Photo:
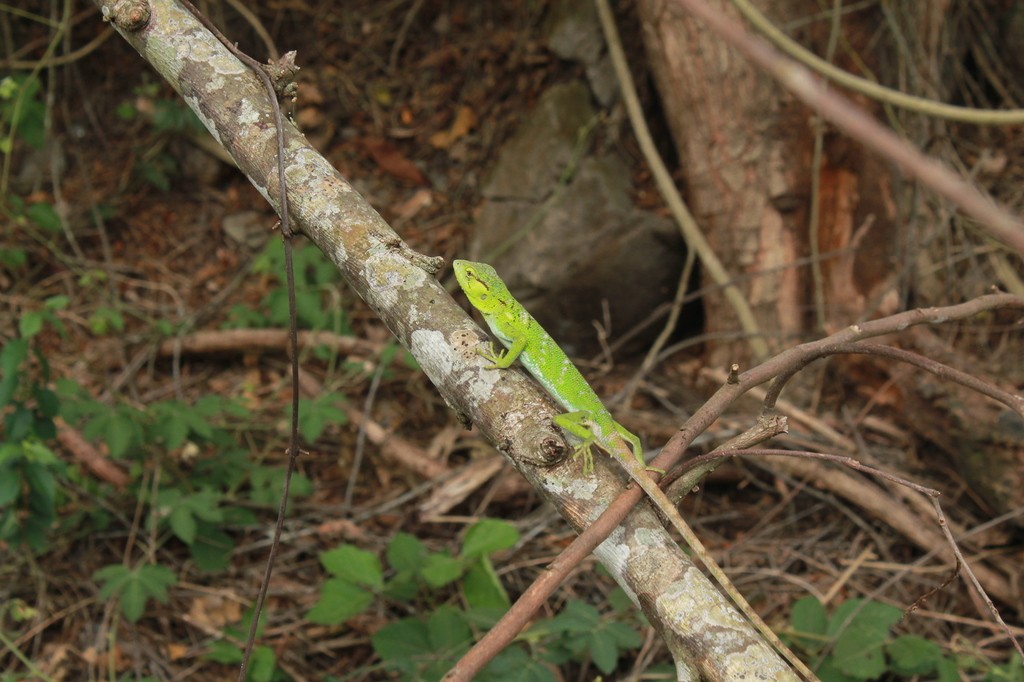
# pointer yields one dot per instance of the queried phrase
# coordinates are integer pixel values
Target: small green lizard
(526, 340)
(587, 418)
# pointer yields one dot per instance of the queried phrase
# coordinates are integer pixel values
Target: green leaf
(405, 552)
(858, 648)
(447, 630)
(126, 111)
(483, 618)
(30, 123)
(515, 665)
(10, 485)
(808, 618)
(604, 651)
(45, 216)
(577, 616)
(224, 652)
(402, 587)
(212, 548)
(441, 569)
(103, 320)
(406, 639)
(314, 415)
(135, 586)
(39, 453)
(113, 577)
(183, 524)
(42, 488)
(1012, 671)
(310, 310)
(620, 602)
(410, 361)
(276, 304)
(387, 353)
(170, 431)
(56, 302)
(355, 565)
(157, 171)
(18, 423)
(13, 258)
(339, 601)
(828, 671)
(118, 427)
(11, 357)
(948, 670)
(182, 511)
(267, 483)
(8, 87)
(153, 581)
(205, 504)
(47, 402)
(913, 655)
(262, 664)
(11, 454)
(625, 636)
(482, 587)
(30, 324)
(489, 536)
(270, 261)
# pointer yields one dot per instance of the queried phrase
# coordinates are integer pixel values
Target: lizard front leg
(503, 359)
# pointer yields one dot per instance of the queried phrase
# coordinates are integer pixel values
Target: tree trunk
(746, 150)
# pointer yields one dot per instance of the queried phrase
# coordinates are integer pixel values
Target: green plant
(193, 504)
(106, 320)
(29, 470)
(263, 661)
(22, 111)
(315, 414)
(423, 648)
(359, 576)
(135, 586)
(580, 631)
(168, 117)
(316, 301)
(856, 643)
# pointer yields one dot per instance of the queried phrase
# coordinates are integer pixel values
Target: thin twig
(286, 233)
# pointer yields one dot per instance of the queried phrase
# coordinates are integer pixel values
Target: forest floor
(169, 450)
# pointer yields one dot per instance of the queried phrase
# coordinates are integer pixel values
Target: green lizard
(587, 418)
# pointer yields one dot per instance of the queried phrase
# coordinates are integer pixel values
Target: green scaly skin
(587, 418)
(526, 340)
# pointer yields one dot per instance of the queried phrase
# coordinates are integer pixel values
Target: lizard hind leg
(577, 424)
(636, 447)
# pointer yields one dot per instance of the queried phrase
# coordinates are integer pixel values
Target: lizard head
(482, 286)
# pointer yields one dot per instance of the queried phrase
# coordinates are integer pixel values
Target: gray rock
(567, 243)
